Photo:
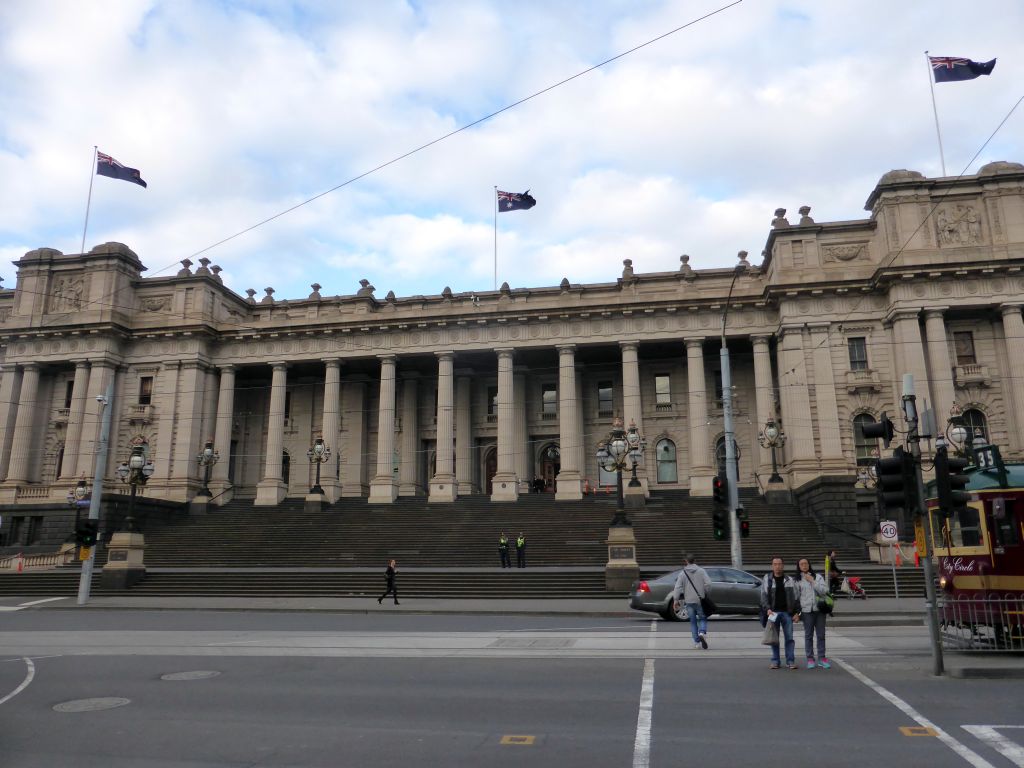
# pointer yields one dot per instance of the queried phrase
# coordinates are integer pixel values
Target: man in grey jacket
(780, 602)
(692, 584)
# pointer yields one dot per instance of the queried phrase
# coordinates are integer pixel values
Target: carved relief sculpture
(67, 294)
(959, 226)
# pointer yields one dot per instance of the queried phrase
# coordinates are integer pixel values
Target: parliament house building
(498, 393)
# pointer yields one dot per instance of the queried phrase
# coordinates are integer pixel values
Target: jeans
(814, 624)
(698, 621)
(785, 622)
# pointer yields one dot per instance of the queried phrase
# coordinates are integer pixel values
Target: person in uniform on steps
(389, 578)
(506, 561)
(521, 550)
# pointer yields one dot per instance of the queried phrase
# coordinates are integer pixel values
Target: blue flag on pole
(948, 69)
(513, 201)
(108, 166)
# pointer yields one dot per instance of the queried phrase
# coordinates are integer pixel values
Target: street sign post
(890, 536)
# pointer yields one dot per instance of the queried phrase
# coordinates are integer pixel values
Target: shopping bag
(771, 634)
(845, 588)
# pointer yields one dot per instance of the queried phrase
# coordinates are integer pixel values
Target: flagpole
(495, 237)
(88, 202)
(935, 109)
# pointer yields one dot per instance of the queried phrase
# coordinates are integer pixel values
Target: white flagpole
(931, 84)
(495, 237)
(88, 202)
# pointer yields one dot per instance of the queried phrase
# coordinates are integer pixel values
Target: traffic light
(897, 482)
(719, 522)
(883, 428)
(951, 483)
(718, 491)
(741, 515)
(86, 533)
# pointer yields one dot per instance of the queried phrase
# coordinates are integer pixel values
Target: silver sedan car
(732, 590)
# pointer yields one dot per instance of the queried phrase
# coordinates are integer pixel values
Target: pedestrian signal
(951, 483)
(718, 491)
(86, 533)
(897, 482)
(719, 523)
(741, 515)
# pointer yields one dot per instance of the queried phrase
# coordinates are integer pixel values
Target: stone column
(353, 455)
(632, 403)
(568, 484)
(503, 487)
(271, 489)
(442, 484)
(164, 404)
(189, 434)
(701, 471)
(383, 488)
(765, 401)
(795, 401)
(409, 464)
(99, 377)
(463, 435)
(329, 428)
(20, 471)
(1013, 330)
(76, 413)
(940, 364)
(829, 437)
(523, 460)
(219, 481)
(10, 391)
(910, 354)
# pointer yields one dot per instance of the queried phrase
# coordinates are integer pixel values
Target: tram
(980, 556)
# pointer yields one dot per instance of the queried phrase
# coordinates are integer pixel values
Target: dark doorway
(490, 469)
(550, 466)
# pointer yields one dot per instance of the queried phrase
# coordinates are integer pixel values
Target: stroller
(851, 588)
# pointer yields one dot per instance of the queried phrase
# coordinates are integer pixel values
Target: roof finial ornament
(185, 271)
(780, 219)
(805, 216)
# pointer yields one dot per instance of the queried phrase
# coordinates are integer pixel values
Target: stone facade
(519, 384)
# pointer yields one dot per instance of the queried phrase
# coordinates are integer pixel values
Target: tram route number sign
(890, 533)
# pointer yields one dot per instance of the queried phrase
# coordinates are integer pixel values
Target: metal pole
(895, 583)
(85, 582)
(775, 478)
(910, 412)
(496, 236)
(935, 110)
(88, 202)
(620, 503)
(731, 475)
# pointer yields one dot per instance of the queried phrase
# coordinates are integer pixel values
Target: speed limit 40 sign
(889, 532)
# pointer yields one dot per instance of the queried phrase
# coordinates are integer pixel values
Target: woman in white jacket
(811, 588)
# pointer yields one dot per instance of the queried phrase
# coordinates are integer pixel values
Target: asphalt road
(90, 688)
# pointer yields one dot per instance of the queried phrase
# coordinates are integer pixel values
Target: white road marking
(39, 602)
(989, 734)
(24, 683)
(642, 744)
(967, 754)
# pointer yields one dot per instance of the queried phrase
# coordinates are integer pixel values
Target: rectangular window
(492, 401)
(35, 530)
(963, 343)
(858, 353)
(662, 390)
(287, 405)
(605, 398)
(69, 390)
(549, 398)
(145, 390)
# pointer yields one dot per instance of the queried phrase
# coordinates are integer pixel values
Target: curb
(987, 673)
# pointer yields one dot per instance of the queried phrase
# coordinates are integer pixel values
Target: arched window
(720, 456)
(665, 453)
(866, 447)
(976, 424)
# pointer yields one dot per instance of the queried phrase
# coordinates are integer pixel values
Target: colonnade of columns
(804, 356)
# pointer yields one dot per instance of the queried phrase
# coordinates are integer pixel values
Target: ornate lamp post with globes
(206, 458)
(619, 447)
(136, 471)
(772, 437)
(125, 564)
(318, 454)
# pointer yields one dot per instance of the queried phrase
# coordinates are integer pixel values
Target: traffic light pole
(85, 583)
(914, 439)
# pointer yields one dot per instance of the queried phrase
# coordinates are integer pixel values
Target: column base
(383, 491)
(8, 493)
(568, 486)
(354, 490)
(465, 488)
(332, 490)
(409, 489)
(270, 493)
(504, 488)
(700, 485)
(442, 490)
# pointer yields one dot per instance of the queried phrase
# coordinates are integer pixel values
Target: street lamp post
(772, 437)
(612, 454)
(206, 458)
(319, 454)
(136, 471)
(731, 475)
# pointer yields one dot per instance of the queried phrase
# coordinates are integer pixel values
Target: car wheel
(671, 614)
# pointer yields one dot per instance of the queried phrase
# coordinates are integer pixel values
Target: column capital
(629, 345)
(279, 366)
(81, 363)
(760, 341)
(388, 359)
(931, 313)
(505, 353)
(897, 315)
(1010, 309)
(694, 342)
(229, 368)
(331, 362)
(791, 330)
(447, 354)
(31, 366)
(565, 349)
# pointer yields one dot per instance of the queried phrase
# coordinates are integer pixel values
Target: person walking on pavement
(390, 588)
(780, 603)
(521, 551)
(811, 588)
(692, 585)
(833, 573)
(506, 561)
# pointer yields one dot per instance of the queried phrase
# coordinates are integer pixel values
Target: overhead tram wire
(438, 140)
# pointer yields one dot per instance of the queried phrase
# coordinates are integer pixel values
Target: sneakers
(698, 645)
(810, 663)
(703, 641)
(775, 665)
(791, 666)
(825, 663)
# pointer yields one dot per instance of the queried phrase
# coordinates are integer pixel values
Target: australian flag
(513, 201)
(947, 69)
(108, 166)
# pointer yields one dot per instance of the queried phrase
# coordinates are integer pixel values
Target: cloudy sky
(236, 110)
